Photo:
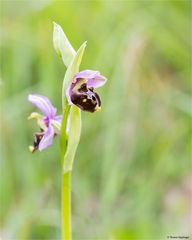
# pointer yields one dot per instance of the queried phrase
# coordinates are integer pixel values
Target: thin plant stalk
(66, 206)
(66, 229)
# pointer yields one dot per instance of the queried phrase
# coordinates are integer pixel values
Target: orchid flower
(81, 90)
(49, 123)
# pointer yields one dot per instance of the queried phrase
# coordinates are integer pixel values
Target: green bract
(62, 45)
(73, 137)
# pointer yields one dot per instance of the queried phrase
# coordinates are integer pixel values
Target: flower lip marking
(37, 139)
(84, 97)
(81, 90)
(44, 138)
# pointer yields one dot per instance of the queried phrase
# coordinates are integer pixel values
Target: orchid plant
(78, 93)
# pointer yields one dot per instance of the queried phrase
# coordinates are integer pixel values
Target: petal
(43, 104)
(56, 125)
(39, 118)
(88, 74)
(68, 95)
(96, 82)
(35, 115)
(47, 139)
(95, 79)
(58, 118)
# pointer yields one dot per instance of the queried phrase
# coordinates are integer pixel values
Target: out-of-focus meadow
(131, 177)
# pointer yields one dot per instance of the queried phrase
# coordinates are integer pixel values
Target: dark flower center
(37, 138)
(84, 97)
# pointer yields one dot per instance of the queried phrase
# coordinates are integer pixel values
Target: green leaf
(73, 137)
(62, 45)
(71, 71)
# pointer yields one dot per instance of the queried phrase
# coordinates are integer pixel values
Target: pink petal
(43, 104)
(95, 79)
(47, 139)
(58, 118)
(68, 95)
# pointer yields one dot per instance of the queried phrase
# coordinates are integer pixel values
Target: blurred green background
(131, 177)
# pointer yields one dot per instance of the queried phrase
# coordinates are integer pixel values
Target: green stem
(66, 206)
(64, 137)
(65, 183)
